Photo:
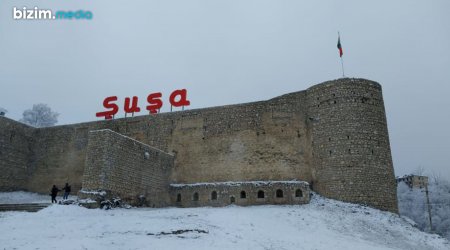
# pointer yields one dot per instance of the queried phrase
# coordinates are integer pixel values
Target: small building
(414, 181)
(244, 193)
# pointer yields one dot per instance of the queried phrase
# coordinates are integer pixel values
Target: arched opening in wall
(260, 194)
(243, 195)
(298, 193)
(195, 197)
(214, 195)
(178, 197)
(279, 193)
(232, 199)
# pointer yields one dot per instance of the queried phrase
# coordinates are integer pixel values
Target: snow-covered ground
(322, 224)
(20, 197)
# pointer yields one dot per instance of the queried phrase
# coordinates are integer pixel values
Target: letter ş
(107, 103)
(178, 98)
(155, 102)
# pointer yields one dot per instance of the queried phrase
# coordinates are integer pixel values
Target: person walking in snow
(54, 193)
(67, 190)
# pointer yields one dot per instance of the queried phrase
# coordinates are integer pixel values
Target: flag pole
(342, 60)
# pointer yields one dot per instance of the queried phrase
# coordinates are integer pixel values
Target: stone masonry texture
(239, 193)
(16, 152)
(127, 168)
(350, 143)
(332, 135)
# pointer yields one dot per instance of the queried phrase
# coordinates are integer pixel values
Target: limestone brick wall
(350, 142)
(255, 141)
(333, 135)
(239, 193)
(59, 158)
(16, 151)
(126, 168)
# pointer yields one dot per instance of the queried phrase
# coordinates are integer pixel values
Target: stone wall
(351, 152)
(333, 135)
(239, 193)
(16, 152)
(59, 158)
(126, 168)
(247, 142)
(254, 141)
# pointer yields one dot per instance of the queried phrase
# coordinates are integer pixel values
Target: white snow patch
(93, 192)
(236, 183)
(20, 197)
(322, 224)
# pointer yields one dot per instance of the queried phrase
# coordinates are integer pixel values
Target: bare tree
(420, 170)
(412, 204)
(3, 111)
(436, 177)
(40, 116)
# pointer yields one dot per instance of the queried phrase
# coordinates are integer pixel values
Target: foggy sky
(227, 52)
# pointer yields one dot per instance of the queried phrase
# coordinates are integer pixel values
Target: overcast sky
(227, 52)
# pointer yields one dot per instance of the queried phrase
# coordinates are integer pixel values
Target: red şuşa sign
(178, 98)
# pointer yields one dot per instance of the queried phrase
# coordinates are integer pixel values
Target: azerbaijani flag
(339, 46)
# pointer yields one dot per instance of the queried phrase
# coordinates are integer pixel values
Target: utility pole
(429, 207)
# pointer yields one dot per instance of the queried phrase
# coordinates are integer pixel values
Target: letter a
(183, 98)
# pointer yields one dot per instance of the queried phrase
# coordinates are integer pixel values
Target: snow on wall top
(238, 183)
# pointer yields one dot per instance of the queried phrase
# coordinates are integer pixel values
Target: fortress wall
(350, 142)
(59, 157)
(60, 151)
(127, 168)
(285, 138)
(15, 153)
(254, 141)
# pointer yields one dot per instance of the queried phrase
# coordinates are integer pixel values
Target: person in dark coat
(67, 190)
(54, 193)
